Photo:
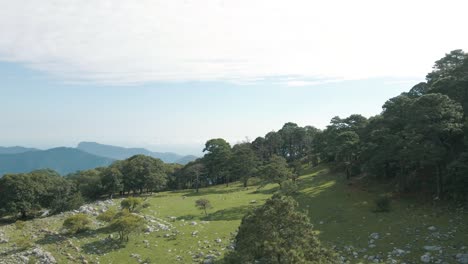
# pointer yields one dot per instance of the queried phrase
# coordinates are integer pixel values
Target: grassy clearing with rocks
(178, 232)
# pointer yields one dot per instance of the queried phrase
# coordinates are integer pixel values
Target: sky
(169, 75)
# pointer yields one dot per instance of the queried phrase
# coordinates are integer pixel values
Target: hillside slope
(120, 153)
(342, 215)
(63, 160)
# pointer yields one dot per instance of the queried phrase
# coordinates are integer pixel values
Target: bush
(107, 216)
(277, 232)
(146, 205)
(382, 203)
(203, 204)
(77, 223)
(125, 223)
(289, 188)
(131, 203)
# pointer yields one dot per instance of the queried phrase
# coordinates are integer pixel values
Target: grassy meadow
(342, 214)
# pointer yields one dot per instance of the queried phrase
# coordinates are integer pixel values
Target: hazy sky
(175, 73)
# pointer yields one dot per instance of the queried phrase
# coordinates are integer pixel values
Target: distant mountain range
(15, 150)
(120, 153)
(64, 160)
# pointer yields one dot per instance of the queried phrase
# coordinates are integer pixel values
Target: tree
(275, 171)
(111, 181)
(77, 223)
(218, 153)
(278, 233)
(88, 182)
(142, 172)
(243, 162)
(196, 170)
(130, 203)
(126, 223)
(19, 194)
(203, 204)
(435, 128)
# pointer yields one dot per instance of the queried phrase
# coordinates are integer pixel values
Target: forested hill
(63, 160)
(121, 153)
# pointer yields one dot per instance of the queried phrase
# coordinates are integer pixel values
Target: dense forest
(417, 144)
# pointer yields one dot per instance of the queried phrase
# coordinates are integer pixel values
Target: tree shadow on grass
(102, 246)
(208, 191)
(229, 214)
(270, 191)
(51, 239)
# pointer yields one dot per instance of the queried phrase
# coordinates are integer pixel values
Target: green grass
(342, 215)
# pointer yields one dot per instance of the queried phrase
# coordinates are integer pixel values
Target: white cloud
(125, 42)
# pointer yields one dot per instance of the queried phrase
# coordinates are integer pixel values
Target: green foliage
(276, 171)
(382, 203)
(142, 173)
(111, 181)
(277, 233)
(30, 192)
(125, 223)
(203, 204)
(107, 216)
(457, 180)
(289, 188)
(216, 159)
(77, 223)
(130, 203)
(243, 162)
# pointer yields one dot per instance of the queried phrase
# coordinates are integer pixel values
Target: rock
(426, 258)
(462, 258)
(149, 229)
(431, 248)
(372, 246)
(374, 236)
(218, 240)
(253, 201)
(194, 233)
(432, 228)
(193, 223)
(163, 226)
(398, 252)
(3, 240)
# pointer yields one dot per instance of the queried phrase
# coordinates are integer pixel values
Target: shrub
(131, 203)
(107, 216)
(289, 188)
(382, 203)
(278, 233)
(203, 204)
(77, 223)
(146, 205)
(125, 223)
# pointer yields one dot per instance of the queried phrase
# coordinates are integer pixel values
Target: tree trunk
(439, 182)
